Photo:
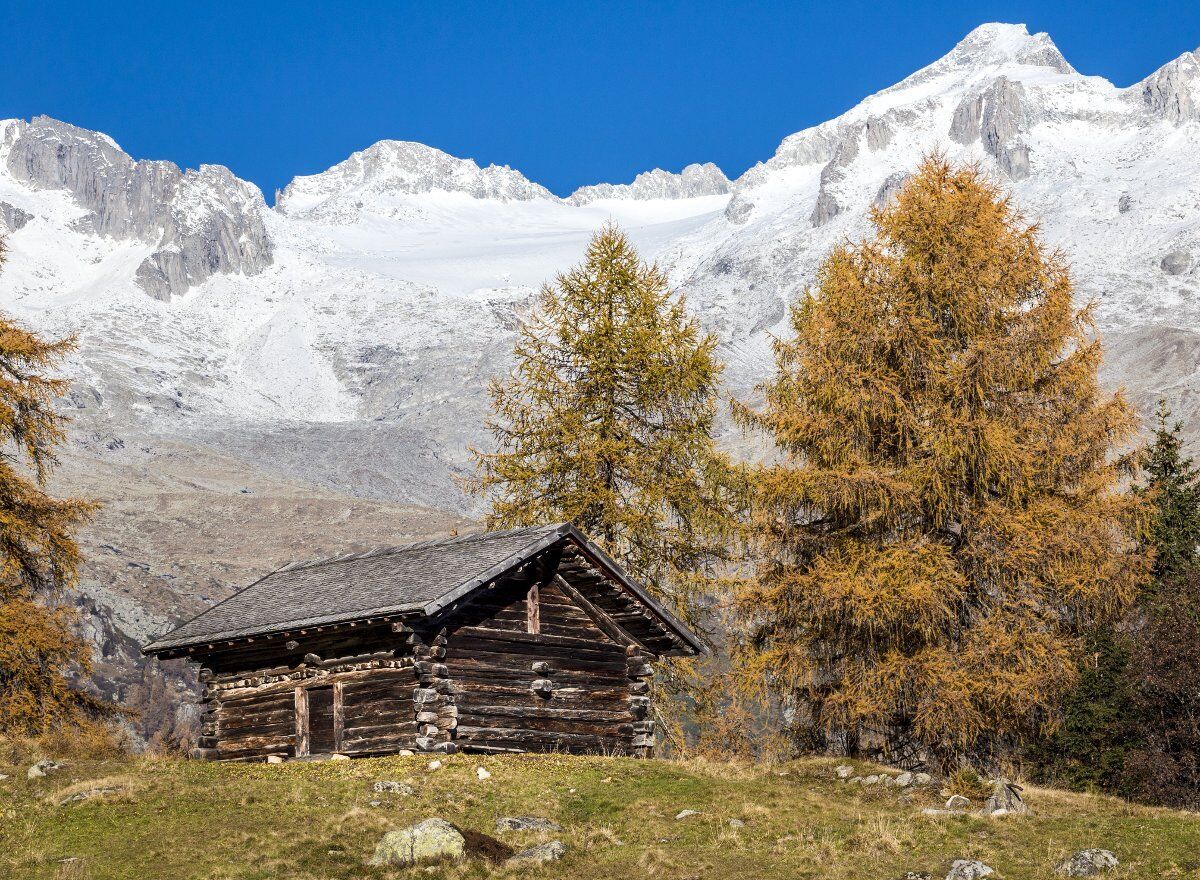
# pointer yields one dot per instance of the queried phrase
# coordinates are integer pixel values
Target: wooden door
(321, 740)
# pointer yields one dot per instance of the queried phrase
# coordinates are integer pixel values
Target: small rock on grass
(684, 814)
(43, 768)
(969, 869)
(86, 795)
(392, 787)
(904, 780)
(482, 773)
(915, 875)
(543, 852)
(957, 802)
(1005, 798)
(736, 823)
(435, 765)
(526, 823)
(1087, 863)
(433, 840)
(843, 771)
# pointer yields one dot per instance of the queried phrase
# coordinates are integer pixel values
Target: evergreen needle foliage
(607, 421)
(945, 522)
(38, 553)
(1162, 762)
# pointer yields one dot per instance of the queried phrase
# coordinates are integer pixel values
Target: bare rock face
(827, 206)
(13, 218)
(890, 187)
(996, 117)
(203, 223)
(739, 209)
(1173, 91)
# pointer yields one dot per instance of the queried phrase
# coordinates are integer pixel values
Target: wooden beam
(606, 624)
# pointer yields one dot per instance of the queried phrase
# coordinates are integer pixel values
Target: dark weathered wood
(302, 739)
(533, 610)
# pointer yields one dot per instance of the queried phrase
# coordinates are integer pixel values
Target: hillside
(175, 820)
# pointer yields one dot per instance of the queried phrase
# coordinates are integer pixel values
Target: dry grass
(180, 820)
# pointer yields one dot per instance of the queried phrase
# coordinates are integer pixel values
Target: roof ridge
(414, 545)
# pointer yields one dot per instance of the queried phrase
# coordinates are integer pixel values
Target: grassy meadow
(167, 819)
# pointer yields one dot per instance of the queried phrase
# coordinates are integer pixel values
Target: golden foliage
(946, 518)
(38, 553)
(607, 421)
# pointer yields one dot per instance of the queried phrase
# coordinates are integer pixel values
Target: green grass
(177, 820)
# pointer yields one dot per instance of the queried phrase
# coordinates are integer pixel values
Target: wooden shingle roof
(416, 580)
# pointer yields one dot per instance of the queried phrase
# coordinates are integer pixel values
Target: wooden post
(301, 722)
(533, 610)
(339, 716)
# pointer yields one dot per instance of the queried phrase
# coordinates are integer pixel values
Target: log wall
(358, 691)
(564, 688)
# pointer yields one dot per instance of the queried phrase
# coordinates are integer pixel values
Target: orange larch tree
(946, 516)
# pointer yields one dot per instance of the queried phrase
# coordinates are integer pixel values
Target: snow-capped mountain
(345, 335)
(255, 382)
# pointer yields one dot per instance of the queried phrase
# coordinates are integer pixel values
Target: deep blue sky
(569, 93)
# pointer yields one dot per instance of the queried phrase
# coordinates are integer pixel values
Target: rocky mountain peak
(401, 168)
(996, 44)
(1173, 91)
(695, 180)
(201, 223)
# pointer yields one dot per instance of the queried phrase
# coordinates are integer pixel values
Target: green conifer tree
(607, 421)
(1161, 727)
(1172, 486)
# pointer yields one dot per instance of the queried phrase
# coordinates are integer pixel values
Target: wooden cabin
(528, 640)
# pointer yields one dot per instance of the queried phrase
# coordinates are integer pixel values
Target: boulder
(540, 854)
(969, 869)
(1005, 799)
(1176, 263)
(526, 823)
(843, 772)
(904, 780)
(392, 787)
(433, 840)
(871, 780)
(1087, 863)
(957, 802)
(43, 768)
(922, 778)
